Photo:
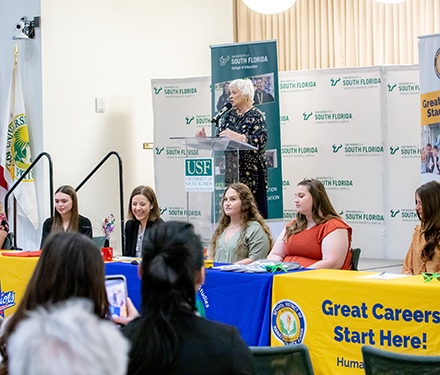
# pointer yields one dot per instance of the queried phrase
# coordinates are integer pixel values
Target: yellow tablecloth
(335, 312)
(14, 276)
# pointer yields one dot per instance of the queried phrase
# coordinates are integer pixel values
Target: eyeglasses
(276, 268)
(429, 276)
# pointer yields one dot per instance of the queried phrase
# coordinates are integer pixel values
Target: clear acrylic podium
(223, 151)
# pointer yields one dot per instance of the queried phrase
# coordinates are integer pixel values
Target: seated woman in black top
(66, 216)
(169, 337)
(143, 213)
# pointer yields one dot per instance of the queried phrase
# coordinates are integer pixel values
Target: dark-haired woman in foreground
(168, 337)
(424, 253)
(70, 266)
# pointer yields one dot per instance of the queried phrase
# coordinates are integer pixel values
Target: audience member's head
(67, 339)
(70, 266)
(172, 268)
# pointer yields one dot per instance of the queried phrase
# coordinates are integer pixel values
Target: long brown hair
(57, 225)
(70, 266)
(148, 193)
(249, 212)
(429, 194)
(322, 209)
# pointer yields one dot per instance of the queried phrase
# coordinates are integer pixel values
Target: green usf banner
(258, 62)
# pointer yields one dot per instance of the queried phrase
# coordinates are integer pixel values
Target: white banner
(354, 129)
(181, 107)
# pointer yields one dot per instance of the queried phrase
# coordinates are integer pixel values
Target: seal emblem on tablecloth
(288, 322)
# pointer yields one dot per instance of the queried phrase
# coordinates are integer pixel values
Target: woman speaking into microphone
(245, 123)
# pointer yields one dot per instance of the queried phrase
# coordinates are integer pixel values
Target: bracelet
(244, 138)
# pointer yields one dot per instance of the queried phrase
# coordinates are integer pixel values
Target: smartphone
(116, 286)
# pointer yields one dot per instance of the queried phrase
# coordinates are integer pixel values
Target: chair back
(355, 255)
(289, 359)
(378, 361)
(7, 243)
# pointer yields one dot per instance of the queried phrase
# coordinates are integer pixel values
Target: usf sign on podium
(205, 176)
(199, 174)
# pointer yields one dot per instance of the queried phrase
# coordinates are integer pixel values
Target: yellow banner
(430, 107)
(335, 313)
(14, 277)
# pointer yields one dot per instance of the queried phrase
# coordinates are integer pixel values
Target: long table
(334, 313)
(240, 299)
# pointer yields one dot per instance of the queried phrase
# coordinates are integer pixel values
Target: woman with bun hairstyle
(66, 216)
(424, 253)
(143, 214)
(169, 337)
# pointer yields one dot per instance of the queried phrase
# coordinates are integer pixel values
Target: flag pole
(12, 147)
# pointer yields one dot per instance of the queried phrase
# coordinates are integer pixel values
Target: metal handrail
(121, 189)
(49, 158)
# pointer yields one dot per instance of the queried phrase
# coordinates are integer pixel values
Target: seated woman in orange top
(317, 238)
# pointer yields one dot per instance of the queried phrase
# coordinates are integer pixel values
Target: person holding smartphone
(169, 337)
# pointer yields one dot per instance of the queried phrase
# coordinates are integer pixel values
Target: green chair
(378, 362)
(288, 359)
(355, 255)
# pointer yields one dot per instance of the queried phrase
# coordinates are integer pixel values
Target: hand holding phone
(116, 287)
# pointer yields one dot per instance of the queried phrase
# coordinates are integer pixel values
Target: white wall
(111, 49)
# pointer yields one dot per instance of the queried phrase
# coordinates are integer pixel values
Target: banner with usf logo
(429, 55)
(258, 62)
(181, 106)
(357, 131)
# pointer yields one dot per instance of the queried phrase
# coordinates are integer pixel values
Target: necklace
(232, 227)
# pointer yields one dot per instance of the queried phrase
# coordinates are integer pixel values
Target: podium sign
(199, 174)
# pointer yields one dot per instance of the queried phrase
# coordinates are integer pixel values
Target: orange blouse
(414, 264)
(305, 247)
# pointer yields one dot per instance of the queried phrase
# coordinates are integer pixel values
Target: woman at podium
(143, 214)
(66, 216)
(241, 235)
(245, 123)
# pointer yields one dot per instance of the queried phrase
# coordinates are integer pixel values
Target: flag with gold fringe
(15, 151)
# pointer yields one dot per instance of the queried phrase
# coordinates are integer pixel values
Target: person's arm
(47, 227)
(334, 249)
(258, 133)
(257, 243)
(278, 253)
(85, 226)
(408, 267)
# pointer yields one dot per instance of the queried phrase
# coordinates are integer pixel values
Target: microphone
(220, 113)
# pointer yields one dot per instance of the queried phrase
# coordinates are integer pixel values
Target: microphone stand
(217, 128)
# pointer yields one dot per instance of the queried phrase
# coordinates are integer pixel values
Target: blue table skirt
(239, 299)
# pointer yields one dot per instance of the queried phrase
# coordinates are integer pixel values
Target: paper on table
(383, 276)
